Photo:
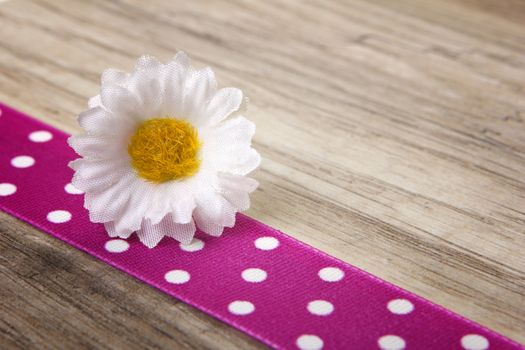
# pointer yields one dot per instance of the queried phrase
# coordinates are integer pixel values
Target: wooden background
(392, 132)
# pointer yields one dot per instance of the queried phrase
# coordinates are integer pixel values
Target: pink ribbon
(257, 279)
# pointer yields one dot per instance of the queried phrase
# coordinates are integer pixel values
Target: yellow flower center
(164, 149)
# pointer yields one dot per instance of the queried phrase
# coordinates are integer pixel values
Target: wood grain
(392, 132)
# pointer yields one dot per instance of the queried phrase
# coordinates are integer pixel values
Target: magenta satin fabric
(275, 310)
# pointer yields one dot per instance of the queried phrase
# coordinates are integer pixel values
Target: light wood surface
(392, 132)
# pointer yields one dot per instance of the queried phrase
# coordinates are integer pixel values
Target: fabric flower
(159, 156)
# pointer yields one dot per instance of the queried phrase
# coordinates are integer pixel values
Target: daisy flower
(164, 152)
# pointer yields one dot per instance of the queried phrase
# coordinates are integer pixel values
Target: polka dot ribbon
(257, 279)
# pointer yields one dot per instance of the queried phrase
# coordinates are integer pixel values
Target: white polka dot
(309, 342)
(254, 275)
(22, 161)
(195, 245)
(266, 243)
(391, 342)
(320, 307)
(40, 136)
(59, 216)
(7, 189)
(177, 276)
(400, 306)
(116, 246)
(474, 342)
(331, 274)
(240, 307)
(69, 188)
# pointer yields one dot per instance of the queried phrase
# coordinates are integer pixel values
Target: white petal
(110, 229)
(150, 235)
(199, 88)
(112, 232)
(182, 210)
(146, 62)
(94, 184)
(164, 197)
(227, 146)
(239, 199)
(225, 102)
(114, 77)
(101, 171)
(159, 206)
(237, 182)
(99, 146)
(128, 222)
(96, 120)
(236, 190)
(242, 162)
(98, 204)
(183, 232)
(232, 133)
(107, 204)
(209, 228)
(94, 102)
(213, 211)
(173, 78)
(177, 197)
(145, 84)
(182, 59)
(100, 121)
(121, 101)
(132, 213)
